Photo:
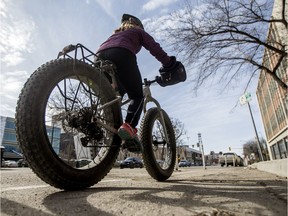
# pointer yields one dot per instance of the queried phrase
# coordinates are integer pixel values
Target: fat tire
(151, 165)
(31, 131)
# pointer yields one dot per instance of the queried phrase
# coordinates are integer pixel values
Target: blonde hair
(127, 25)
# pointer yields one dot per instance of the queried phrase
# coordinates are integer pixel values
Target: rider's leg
(129, 80)
(133, 87)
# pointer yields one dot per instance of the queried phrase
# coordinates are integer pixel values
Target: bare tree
(227, 38)
(251, 146)
(180, 131)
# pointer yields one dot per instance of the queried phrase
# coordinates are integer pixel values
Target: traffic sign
(245, 98)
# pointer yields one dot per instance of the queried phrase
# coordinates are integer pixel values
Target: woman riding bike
(121, 48)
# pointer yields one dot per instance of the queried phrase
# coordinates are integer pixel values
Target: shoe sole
(124, 135)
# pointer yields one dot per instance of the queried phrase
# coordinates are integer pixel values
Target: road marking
(43, 186)
(23, 187)
(116, 180)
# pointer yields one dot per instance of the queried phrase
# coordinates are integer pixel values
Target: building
(186, 153)
(213, 158)
(272, 99)
(8, 139)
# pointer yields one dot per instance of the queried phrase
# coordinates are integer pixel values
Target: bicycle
(67, 117)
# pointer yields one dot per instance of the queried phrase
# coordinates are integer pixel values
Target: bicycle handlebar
(149, 82)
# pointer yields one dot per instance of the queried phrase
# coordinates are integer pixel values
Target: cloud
(15, 35)
(108, 6)
(11, 84)
(12, 58)
(174, 19)
(158, 26)
(154, 4)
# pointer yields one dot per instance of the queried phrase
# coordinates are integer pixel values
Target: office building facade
(273, 99)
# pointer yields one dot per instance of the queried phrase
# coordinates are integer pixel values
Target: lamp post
(201, 149)
(177, 155)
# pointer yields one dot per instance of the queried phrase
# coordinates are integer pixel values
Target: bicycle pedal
(131, 146)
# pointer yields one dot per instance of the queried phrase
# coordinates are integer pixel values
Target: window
(276, 151)
(10, 125)
(10, 137)
(10, 148)
(282, 149)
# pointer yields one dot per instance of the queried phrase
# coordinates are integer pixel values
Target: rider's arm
(154, 48)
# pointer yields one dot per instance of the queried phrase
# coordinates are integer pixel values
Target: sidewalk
(277, 167)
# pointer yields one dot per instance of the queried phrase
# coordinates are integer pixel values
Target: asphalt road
(190, 191)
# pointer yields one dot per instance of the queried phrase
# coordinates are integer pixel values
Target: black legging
(129, 80)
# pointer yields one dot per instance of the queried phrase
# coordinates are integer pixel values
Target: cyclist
(121, 48)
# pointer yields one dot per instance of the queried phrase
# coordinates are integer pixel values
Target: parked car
(131, 162)
(185, 163)
(241, 161)
(10, 163)
(230, 158)
(22, 163)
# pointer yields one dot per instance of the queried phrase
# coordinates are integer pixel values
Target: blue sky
(33, 32)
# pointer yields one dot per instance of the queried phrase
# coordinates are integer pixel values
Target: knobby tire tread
(150, 162)
(30, 127)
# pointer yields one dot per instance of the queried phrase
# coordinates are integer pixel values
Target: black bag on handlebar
(172, 76)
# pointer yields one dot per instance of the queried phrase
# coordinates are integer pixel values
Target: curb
(277, 167)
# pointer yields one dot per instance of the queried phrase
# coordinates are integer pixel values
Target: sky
(33, 32)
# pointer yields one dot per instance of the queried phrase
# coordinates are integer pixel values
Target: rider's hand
(175, 74)
(165, 72)
(170, 66)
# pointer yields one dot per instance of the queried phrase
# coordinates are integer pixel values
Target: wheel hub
(83, 121)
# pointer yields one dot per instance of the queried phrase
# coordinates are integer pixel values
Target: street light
(201, 149)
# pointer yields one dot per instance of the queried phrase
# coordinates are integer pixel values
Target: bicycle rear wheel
(159, 150)
(62, 126)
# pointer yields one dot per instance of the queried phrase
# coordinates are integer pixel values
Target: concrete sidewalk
(278, 167)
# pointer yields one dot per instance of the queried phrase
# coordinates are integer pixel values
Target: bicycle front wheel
(159, 150)
(62, 124)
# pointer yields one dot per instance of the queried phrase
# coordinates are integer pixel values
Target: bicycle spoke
(73, 107)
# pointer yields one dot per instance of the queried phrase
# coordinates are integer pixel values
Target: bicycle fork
(148, 98)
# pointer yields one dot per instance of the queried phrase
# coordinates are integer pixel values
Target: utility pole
(201, 149)
(257, 137)
(246, 98)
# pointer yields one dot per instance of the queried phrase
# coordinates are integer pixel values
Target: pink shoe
(127, 132)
